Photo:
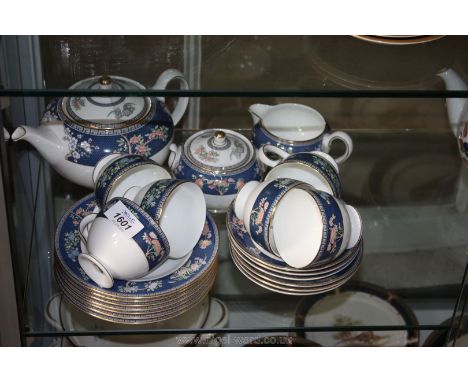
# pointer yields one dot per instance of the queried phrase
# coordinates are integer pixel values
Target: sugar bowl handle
(271, 149)
(174, 156)
(182, 103)
(340, 136)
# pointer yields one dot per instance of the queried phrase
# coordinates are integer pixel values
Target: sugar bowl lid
(107, 112)
(219, 150)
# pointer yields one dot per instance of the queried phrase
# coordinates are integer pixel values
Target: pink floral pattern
(206, 156)
(336, 232)
(139, 144)
(220, 185)
(188, 269)
(154, 249)
(258, 214)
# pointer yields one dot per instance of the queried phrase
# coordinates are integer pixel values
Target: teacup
(123, 242)
(179, 207)
(295, 128)
(297, 222)
(115, 174)
(315, 168)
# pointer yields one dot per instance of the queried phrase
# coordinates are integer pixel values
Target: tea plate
(289, 290)
(133, 319)
(358, 304)
(288, 277)
(135, 304)
(67, 242)
(141, 312)
(302, 284)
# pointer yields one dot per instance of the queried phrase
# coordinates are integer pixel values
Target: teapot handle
(182, 103)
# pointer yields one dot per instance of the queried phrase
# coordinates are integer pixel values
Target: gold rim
(156, 308)
(138, 299)
(290, 277)
(297, 271)
(155, 319)
(320, 266)
(282, 284)
(294, 291)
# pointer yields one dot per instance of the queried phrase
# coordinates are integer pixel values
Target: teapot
(76, 132)
(457, 110)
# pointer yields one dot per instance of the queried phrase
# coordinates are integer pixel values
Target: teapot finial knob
(105, 80)
(219, 138)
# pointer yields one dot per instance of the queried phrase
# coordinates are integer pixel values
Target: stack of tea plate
(170, 290)
(274, 274)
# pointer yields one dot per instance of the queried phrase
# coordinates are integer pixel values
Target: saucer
(242, 240)
(177, 286)
(295, 277)
(295, 289)
(67, 242)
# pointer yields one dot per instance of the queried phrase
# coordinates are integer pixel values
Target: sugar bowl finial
(219, 138)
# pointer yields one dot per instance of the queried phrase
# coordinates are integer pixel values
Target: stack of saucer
(171, 289)
(272, 273)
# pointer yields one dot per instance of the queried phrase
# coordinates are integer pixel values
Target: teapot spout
(44, 141)
(258, 111)
(455, 106)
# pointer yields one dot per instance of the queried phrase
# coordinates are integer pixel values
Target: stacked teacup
(292, 233)
(144, 228)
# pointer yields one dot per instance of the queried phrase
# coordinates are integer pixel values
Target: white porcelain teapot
(76, 132)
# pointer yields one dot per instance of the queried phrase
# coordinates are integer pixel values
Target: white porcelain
(77, 131)
(298, 170)
(298, 222)
(132, 180)
(219, 161)
(181, 216)
(299, 244)
(295, 128)
(112, 253)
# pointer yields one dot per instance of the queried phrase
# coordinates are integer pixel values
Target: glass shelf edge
(376, 328)
(240, 93)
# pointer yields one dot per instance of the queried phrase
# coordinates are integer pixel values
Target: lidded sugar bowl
(219, 161)
(78, 131)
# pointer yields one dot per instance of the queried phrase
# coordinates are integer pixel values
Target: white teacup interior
(138, 176)
(356, 226)
(297, 228)
(294, 122)
(183, 218)
(300, 172)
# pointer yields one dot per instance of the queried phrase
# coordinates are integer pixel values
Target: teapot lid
(106, 112)
(218, 150)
